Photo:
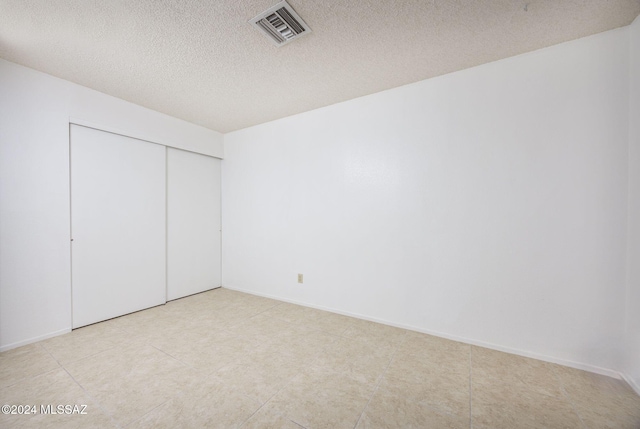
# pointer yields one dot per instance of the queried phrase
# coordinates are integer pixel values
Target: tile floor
(227, 359)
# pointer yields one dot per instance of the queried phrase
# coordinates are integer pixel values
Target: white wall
(488, 205)
(632, 368)
(35, 295)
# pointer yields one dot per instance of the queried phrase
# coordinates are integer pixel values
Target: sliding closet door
(118, 221)
(193, 223)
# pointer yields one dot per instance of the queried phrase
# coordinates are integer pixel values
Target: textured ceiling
(202, 62)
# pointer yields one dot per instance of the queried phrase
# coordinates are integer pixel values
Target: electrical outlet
(300, 278)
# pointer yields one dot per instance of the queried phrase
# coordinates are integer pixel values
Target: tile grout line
(260, 344)
(288, 322)
(171, 356)
(317, 356)
(20, 380)
(144, 343)
(252, 414)
(95, 400)
(86, 392)
(337, 337)
(226, 329)
(278, 412)
(270, 397)
(393, 356)
(568, 397)
(84, 357)
(150, 411)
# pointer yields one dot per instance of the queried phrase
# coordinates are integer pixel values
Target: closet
(193, 223)
(145, 224)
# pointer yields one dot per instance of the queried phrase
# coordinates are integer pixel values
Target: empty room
(320, 214)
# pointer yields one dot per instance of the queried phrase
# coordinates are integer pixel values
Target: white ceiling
(201, 61)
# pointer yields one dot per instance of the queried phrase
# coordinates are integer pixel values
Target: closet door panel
(193, 223)
(118, 223)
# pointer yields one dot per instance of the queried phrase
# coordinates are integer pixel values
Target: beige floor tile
(355, 358)
(53, 388)
(211, 355)
(258, 305)
(213, 309)
(231, 316)
(236, 299)
(198, 317)
(320, 399)
(131, 381)
(310, 318)
(224, 292)
(445, 392)
(308, 368)
(149, 324)
(24, 362)
(530, 373)
(500, 405)
(610, 413)
(289, 312)
(179, 339)
(301, 348)
(331, 323)
(269, 418)
(225, 298)
(583, 384)
(233, 298)
(206, 306)
(290, 339)
(601, 402)
(263, 328)
(206, 404)
(319, 340)
(436, 374)
(261, 373)
(376, 334)
(86, 341)
(392, 411)
(424, 345)
(454, 359)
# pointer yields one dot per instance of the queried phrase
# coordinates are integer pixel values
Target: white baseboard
(631, 382)
(564, 362)
(34, 339)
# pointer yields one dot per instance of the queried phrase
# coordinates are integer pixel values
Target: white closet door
(118, 221)
(193, 223)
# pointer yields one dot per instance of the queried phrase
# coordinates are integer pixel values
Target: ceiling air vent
(281, 24)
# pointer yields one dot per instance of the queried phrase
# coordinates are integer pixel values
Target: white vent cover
(281, 24)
